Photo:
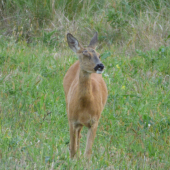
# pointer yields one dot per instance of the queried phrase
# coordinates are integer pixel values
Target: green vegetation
(134, 130)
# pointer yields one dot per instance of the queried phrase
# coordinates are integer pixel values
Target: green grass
(134, 129)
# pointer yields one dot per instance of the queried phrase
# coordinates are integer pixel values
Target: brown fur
(86, 95)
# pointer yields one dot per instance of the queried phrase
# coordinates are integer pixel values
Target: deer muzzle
(99, 68)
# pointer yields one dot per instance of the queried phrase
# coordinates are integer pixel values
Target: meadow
(134, 43)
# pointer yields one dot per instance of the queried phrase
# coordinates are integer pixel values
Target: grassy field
(134, 129)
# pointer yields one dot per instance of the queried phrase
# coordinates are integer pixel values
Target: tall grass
(127, 22)
(28, 18)
(143, 24)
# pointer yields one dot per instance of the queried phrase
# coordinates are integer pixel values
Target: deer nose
(99, 67)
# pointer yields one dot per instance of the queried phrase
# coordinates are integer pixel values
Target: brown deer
(85, 93)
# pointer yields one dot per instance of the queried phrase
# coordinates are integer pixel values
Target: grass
(143, 24)
(134, 130)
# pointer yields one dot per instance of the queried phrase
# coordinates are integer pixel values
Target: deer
(85, 93)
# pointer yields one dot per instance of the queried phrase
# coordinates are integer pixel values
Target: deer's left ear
(94, 40)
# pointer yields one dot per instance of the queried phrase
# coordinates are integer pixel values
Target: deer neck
(85, 87)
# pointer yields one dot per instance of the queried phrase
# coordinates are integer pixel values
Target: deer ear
(94, 40)
(73, 43)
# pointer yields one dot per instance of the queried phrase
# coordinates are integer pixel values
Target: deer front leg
(73, 140)
(90, 139)
(78, 138)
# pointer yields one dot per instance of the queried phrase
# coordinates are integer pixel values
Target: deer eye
(86, 53)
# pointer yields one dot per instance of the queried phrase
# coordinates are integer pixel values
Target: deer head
(89, 58)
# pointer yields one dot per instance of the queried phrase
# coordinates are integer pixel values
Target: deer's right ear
(73, 43)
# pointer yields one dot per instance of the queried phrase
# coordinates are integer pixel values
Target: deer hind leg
(90, 139)
(73, 140)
